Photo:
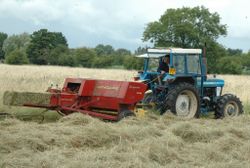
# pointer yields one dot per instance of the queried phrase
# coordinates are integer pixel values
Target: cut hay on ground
(82, 141)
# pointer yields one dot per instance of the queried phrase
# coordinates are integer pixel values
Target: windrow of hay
(82, 141)
(193, 132)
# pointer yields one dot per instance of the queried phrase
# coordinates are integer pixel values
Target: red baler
(106, 99)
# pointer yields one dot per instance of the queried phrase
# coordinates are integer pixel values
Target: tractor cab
(184, 65)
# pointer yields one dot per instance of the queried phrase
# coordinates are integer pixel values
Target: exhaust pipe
(204, 60)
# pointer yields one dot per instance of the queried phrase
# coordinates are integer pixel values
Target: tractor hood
(212, 83)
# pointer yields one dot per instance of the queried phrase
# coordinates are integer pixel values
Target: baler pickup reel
(105, 99)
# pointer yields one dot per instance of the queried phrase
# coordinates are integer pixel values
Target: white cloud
(36, 12)
(117, 21)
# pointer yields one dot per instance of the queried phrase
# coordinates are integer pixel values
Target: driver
(163, 65)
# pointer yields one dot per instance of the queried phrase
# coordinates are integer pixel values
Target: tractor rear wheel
(228, 105)
(183, 101)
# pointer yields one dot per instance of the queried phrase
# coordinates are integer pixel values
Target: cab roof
(157, 52)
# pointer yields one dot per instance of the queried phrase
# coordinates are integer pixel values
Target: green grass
(247, 108)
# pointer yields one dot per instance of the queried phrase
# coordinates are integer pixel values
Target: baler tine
(105, 99)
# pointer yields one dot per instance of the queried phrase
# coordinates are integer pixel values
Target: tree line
(182, 27)
(43, 47)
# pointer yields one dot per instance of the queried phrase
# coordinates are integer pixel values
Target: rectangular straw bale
(21, 98)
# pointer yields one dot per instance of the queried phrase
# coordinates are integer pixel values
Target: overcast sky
(119, 23)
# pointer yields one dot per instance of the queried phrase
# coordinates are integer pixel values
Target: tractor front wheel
(228, 105)
(183, 101)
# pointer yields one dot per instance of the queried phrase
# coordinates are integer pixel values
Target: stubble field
(81, 141)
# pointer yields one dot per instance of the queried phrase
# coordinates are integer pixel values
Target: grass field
(81, 141)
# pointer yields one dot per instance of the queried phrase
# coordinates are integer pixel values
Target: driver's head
(166, 59)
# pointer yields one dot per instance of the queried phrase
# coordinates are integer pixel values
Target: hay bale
(21, 98)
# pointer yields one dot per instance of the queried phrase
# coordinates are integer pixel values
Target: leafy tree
(84, 56)
(102, 62)
(140, 50)
(132, 62)
(16, 42)
(232, 52)
(119, 55)
(214, 52)
(188, 28)
(61, 55)
(245, 61)
(122, 52)
(42, 42)
(185, 27)
(66, 59)
(56, 53)
(230, 65)
(3, 36)
(17, 57)
(101, 50)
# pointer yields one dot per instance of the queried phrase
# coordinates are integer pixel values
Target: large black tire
(228, 105)
(183, 100)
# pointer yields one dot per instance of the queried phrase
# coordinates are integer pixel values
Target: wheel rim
(231, 109)
(186, 104)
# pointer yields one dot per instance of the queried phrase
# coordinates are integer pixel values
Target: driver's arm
(163, 72)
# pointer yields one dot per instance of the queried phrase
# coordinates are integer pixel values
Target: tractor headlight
(218, 91)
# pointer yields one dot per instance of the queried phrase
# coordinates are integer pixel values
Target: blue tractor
(185, 89)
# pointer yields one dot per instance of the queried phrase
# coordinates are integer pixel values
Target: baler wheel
(183, 101)
(124, 114)
(228, 105)
(148, 98)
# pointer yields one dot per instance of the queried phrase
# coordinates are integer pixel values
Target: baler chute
(105, 99)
